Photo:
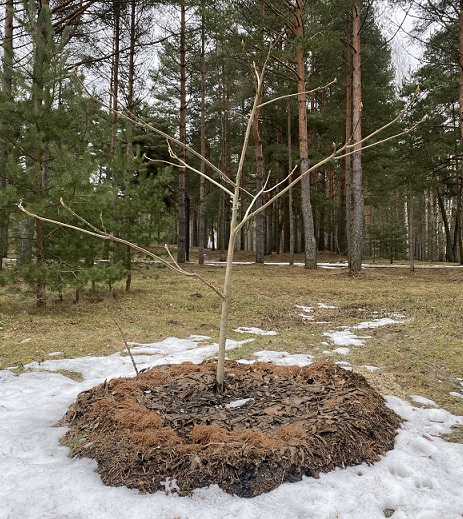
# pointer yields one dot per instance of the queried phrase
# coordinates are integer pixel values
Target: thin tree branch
(128, 348)
(110, 237)
(286, 96)
(143, 124)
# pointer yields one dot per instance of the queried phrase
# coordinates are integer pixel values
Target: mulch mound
(170, 430)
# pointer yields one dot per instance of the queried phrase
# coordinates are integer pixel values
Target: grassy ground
(421, 356)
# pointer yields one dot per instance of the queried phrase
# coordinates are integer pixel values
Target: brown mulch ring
(169, 429)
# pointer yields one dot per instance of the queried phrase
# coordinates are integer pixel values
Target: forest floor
(402, 330)
(419, 354)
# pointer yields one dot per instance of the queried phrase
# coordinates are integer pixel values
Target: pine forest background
(188, 69)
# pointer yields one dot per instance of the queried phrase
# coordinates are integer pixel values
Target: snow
(255, 331)
(420, 479)
(422, 400)
(345, 337)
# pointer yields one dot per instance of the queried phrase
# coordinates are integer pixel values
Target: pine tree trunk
(259, 219)
(202, 188)
(356, 232)
(306, 205)
(290, 193)
(182, 225)
(259, 155)
(115, 73)
(460, 104)
(41, 62)
(129, 139)
(7, 82)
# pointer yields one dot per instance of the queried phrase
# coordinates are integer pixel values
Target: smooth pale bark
(306, 205)
(357, 206)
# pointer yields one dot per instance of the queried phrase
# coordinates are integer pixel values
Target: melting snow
(420, 478)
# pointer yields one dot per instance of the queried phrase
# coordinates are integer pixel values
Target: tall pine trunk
(306, 205)
(290, 193)
(7, 82)
(129, 138)
(357, 201)
(259, 156)
(460, 104)
(182, 253)
(202, 188)
(41, 64)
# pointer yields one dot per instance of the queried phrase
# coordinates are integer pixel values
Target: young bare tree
(232, 188)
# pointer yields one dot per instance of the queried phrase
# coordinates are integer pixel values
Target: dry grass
(422, 356)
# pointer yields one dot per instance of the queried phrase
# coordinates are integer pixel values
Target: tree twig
(98, 233)
(128, 348)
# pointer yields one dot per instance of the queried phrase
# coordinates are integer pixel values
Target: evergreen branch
(131, 117)
(98, 233)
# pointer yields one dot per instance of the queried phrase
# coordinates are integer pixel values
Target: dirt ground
(170, 429)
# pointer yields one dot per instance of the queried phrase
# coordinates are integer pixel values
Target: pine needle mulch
(170, 430)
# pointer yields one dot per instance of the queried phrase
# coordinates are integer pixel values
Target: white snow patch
(370, 368)
(342, 351)
(422, 400)
(283, 358)
(344, 338)
(376, 323)
(454, 393)
(255, 331)
(419, 479)
(24, 341)
(238, 403)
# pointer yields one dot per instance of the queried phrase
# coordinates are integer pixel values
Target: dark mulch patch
(169, 426)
